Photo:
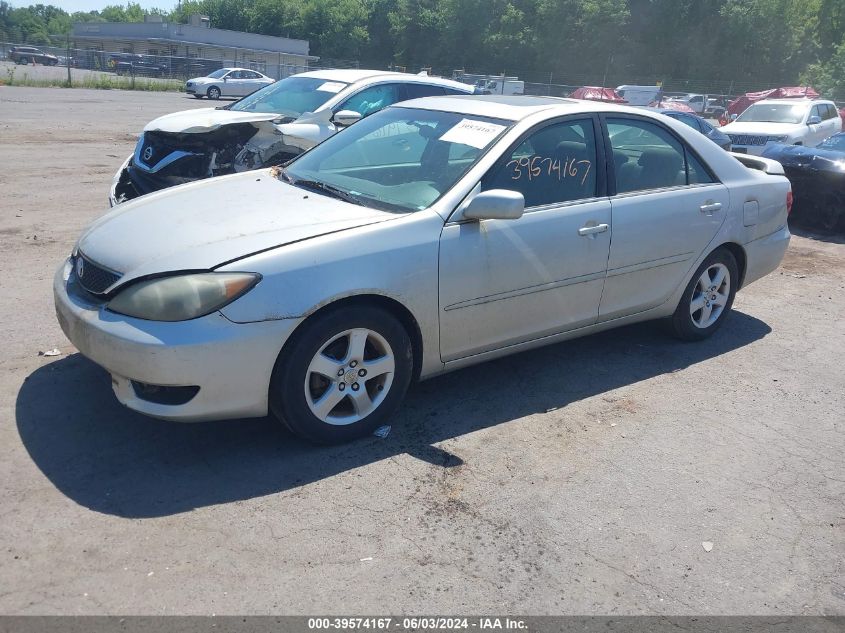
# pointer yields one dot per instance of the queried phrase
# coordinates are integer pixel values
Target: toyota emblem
(80, 267)
(148, 153)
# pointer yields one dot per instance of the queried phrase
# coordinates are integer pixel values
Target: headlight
(182, 297)
(777, 139)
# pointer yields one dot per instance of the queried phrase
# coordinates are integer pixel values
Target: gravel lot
(581, 478)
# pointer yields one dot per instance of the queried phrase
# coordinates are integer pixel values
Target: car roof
(513, 107)
(793, 101)
(354, 75)
(669, 111)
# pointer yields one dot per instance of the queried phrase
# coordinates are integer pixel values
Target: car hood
(769, 129)
(812, 158)
(204, 224)
(204, 120)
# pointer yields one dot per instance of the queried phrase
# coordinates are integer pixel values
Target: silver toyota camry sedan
(430, 236)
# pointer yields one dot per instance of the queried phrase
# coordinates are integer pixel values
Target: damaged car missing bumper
(268, 127)
(165, 157)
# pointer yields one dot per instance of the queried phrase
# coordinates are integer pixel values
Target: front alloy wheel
(708, 297)
(342, 374)
(213, 92)
(349, 376)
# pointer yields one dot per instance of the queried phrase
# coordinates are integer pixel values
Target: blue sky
(89, 5)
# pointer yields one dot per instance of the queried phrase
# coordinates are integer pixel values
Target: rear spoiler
(766, 165)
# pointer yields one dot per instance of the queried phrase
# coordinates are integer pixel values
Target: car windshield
(398, 159)
(835, 142)
(773, 113)
(291, 97)
(218, 74)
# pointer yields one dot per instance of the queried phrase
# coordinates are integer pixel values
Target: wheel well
(390, 305)
(739, 255)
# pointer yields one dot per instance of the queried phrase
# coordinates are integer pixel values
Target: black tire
(683, 323)
(213, 93)
(24, 60)
(829, 212)
(288, 383)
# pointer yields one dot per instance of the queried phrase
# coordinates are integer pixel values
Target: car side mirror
(225, 79)
(345, 118)
(814, 120)
(734, 116)
(496, 204)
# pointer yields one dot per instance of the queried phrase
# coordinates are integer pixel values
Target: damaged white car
(266, 128)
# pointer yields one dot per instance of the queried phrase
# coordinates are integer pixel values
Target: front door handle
(586, 231)
(710, 207)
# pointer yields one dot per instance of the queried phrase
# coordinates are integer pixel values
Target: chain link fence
(154, 62)
(129, 58)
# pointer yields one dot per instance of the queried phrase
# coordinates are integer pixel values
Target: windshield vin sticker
(473, 133)
(330, 86)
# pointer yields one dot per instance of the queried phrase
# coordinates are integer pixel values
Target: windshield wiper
(331, 190)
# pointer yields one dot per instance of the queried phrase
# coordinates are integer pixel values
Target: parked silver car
(433, 235)
(227, 82)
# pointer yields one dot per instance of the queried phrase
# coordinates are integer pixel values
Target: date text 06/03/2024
(417, 623)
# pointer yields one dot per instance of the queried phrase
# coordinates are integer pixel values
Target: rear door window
(691, 121)
(647, 156)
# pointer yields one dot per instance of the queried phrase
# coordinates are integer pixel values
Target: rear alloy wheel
(708, 297)
(213, 92)
(343, 375)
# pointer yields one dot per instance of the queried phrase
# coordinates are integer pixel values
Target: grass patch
(94, 81)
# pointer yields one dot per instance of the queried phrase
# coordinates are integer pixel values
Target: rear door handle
(710, 207)
(586, 231)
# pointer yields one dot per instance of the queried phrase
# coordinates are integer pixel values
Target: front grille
(747, 139)
(93, 277)
(155, 147)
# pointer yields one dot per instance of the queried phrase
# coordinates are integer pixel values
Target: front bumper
(230, 362)
(754, 150)
(118, 183)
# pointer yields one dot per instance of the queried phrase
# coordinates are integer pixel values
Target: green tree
(828, 77)
(417, 27)
(336, 29)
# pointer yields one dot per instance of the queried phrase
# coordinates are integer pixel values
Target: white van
(639, 95)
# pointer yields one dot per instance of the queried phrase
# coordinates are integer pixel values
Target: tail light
(788, 202)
